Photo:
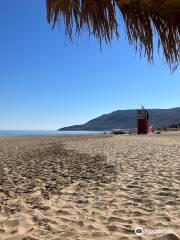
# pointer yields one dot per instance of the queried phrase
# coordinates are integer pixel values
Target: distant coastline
(127, 119)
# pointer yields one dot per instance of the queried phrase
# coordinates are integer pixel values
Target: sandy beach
(90, 187)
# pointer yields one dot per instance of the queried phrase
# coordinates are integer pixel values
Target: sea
(16, 133)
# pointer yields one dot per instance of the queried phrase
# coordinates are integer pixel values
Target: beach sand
(90, 187)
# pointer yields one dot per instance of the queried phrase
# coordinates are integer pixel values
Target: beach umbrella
(143, 19)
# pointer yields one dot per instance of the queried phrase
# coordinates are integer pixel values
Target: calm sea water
(11, 133)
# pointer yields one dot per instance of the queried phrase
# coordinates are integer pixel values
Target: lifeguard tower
(142, 121)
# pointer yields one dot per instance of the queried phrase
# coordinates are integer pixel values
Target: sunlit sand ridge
(90, 187)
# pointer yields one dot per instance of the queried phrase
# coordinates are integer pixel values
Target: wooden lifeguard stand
(142, 121)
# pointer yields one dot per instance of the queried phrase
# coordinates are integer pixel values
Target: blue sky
(47, 82)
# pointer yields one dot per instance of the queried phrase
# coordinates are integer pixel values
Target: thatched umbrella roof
(142, 19)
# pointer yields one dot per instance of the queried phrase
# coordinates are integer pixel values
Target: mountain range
(128, 119)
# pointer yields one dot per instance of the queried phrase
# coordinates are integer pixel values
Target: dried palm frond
(142, 18)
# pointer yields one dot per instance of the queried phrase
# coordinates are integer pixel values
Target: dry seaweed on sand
(51, 166)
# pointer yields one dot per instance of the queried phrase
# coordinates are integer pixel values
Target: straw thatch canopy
(142, 19)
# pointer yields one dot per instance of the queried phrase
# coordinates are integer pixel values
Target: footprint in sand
(167, 237)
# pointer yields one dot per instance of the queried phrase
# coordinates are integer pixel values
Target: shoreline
(31, 133)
